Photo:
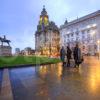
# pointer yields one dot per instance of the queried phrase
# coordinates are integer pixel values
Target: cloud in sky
(19, 18)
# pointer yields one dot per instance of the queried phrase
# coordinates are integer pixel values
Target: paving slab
(6, 90)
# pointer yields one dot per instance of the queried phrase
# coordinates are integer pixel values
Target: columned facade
(85, 31)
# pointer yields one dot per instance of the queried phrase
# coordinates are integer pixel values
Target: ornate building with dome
(47, 36)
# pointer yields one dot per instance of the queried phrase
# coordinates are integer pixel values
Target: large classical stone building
(47, 36)
(85, 31)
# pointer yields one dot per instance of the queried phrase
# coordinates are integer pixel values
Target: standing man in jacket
(77, 55)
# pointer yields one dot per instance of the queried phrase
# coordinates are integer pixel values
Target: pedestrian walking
(69, 53)
(62, 55)
(77, 56)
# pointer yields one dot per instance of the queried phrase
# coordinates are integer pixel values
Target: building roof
(44, 12)
(52, 26)
(81, 19)
(43, 28)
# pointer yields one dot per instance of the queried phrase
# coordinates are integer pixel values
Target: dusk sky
(19, 18)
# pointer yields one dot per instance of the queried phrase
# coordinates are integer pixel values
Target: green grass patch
(25, 60)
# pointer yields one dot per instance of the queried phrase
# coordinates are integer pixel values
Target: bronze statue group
(66, 54)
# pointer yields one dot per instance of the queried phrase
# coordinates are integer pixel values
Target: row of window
(82, 24)
(77, 33)
(88, 39)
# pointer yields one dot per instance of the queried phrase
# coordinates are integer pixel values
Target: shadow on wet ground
(54, 82)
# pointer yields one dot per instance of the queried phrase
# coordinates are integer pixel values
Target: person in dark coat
(77, 55)
(62, 55)
(69, 52)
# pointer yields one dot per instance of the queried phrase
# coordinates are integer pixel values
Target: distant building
(85, 31)
(47, 36)
(22, 52)
(17, 51)
(27, 51)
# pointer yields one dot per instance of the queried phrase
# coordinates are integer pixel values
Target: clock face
(46, 20)
(40, 18)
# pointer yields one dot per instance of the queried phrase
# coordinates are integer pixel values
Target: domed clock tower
(47, 36)
(44, 17)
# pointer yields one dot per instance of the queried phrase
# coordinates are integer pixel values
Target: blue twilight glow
(19, 18)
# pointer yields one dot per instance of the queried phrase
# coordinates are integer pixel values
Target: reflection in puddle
(94, 79)
(57, 72)
(50, 71)
(88, 75)
(50, 81)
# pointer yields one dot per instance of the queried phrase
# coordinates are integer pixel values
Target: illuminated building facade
(85, 31)
(47, 36)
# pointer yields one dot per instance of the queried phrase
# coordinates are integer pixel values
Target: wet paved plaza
(1, 73)
(54, 82)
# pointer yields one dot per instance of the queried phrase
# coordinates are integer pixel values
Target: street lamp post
(98, 49)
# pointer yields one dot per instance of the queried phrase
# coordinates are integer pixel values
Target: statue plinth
(5, 50)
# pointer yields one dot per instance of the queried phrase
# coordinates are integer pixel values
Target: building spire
(66, 21)
(44, 11)
(44, 6)
(44, 19)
